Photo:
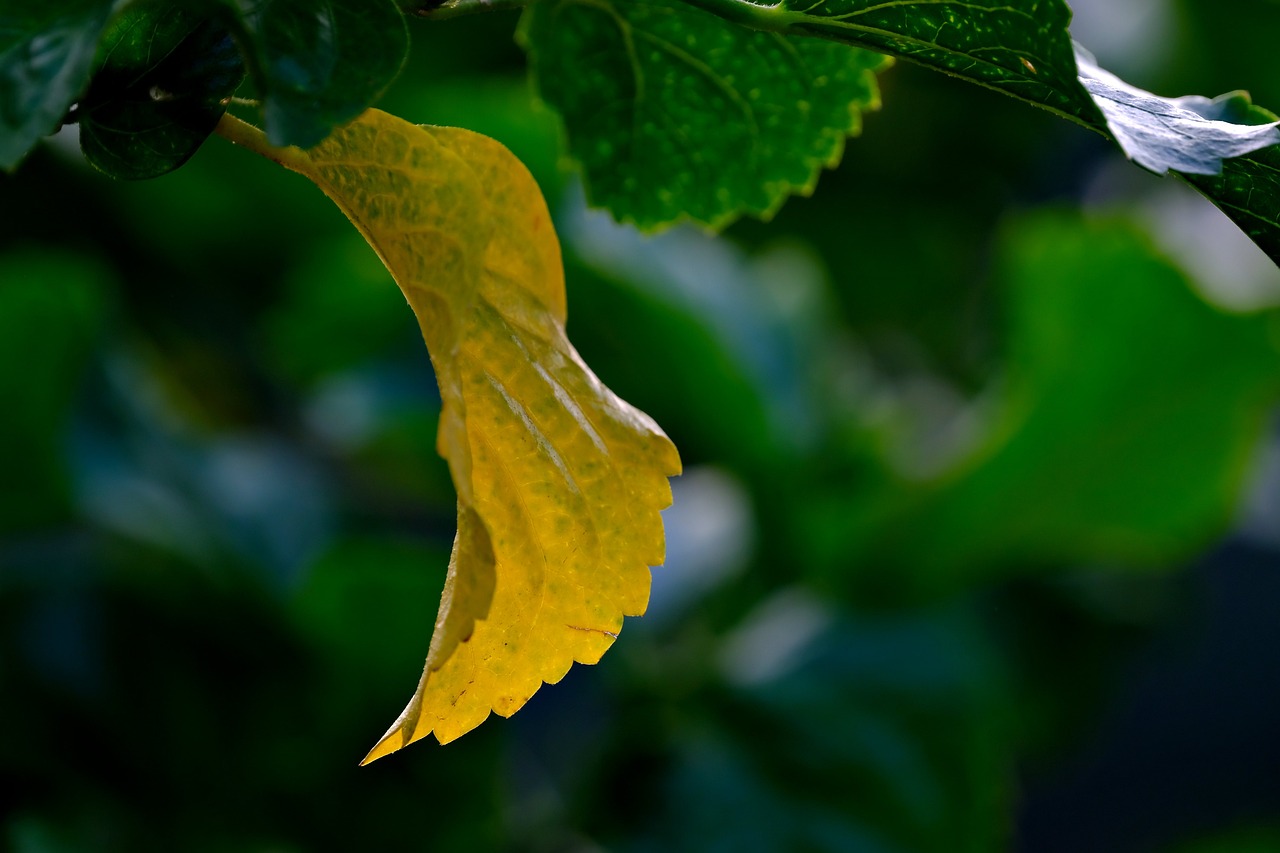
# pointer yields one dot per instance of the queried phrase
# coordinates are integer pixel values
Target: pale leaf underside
(1191, 134)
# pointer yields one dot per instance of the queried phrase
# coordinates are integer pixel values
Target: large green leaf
(1020, 47)
(159, 89)
(1124, 431)
(674, 113)
(46, 51)
(1131, 415)
(320, 63)
(1023, 49)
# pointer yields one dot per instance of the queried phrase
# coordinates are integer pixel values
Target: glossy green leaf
(159, 90)
(1019, 47)
(1023, 49)
(1248, 191)
(674, 113)
(320, 63)
(46, 52)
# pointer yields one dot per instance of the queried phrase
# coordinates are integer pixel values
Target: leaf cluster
(148, 80)
(952, 458)
(679, 110)
(675, 109)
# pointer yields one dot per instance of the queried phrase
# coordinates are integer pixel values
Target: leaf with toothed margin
(1022, 48)
(1019, 47)
(559, 482)
(676, 114)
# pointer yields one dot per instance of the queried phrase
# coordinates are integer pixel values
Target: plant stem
(461, 8)
(246, 135)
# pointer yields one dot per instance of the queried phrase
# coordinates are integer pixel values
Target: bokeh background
(977, 549)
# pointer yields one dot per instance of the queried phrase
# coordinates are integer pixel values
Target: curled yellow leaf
(560, 483)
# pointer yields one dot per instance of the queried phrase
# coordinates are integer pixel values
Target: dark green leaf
(320, 63)
(1248, 191)
(674, 113)
(1020, 47)
(46, 51)
(1192, 135)
(159, 90)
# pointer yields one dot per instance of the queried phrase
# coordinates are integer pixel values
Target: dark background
(223, 526)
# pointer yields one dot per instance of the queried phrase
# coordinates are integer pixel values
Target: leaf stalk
(240, 132)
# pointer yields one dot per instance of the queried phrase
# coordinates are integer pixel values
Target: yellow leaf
(559, 482)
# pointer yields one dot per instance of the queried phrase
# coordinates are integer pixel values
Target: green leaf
(46, 52)
(1019, 47)
(320, 63)
(159, 90)
(1023, 49)
(1192, 135)
(1132, 411)
(673, 113)
(1248, 191)
(1129, 421)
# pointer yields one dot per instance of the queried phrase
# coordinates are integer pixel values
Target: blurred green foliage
(955, 441)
